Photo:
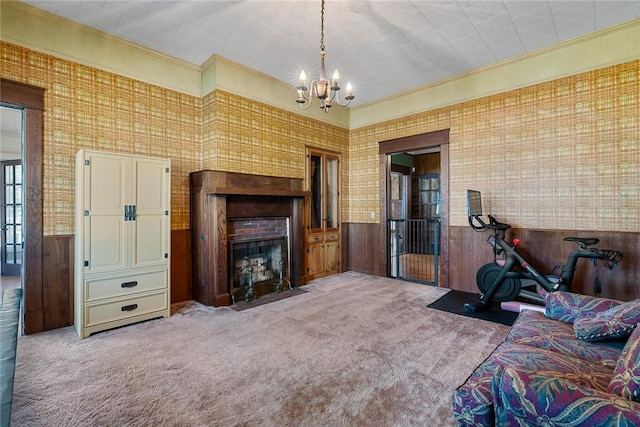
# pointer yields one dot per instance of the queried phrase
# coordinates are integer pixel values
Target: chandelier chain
(322, 26)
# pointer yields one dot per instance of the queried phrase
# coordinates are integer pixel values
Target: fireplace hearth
(246, 230)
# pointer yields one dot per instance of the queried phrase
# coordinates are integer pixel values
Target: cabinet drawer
(97, 289)
(332, 236)
(315, 238)
(103, 313)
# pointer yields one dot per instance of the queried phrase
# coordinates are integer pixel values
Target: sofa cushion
(537, 398)
(473, 401)
(567, 306)
(626, 375)
(616, 322)
(534, 329)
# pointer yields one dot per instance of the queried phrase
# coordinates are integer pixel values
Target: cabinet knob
(129, 307)
(129, 284)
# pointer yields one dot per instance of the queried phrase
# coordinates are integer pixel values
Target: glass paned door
(11, 218)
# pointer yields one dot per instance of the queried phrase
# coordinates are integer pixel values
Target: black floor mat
(453, 302)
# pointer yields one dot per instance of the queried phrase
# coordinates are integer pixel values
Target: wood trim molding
(31, 99)
(22, 95)
(426, 140)
(414, 142)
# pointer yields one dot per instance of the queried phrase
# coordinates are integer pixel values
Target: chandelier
(323, 89)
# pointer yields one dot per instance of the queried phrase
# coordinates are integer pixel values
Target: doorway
(11, 196)
(414, 216)
(30, 100)
(417, 230)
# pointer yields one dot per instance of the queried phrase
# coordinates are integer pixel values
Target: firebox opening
(259, 257)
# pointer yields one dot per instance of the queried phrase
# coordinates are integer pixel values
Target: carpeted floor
(453, 302)
(354, 350)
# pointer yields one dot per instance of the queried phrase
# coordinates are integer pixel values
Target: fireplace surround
(219, 197)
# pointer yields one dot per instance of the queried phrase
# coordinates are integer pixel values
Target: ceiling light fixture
(324, 90)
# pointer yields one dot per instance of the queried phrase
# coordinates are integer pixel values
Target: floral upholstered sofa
(578, 364)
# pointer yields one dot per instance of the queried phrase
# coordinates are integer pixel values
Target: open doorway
(414, 215)
(30, 100)
(11, 196)
(414, 219)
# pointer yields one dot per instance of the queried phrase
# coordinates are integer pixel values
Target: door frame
(440, 139)
(31, 100)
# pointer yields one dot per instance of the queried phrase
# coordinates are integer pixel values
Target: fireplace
(259, 257)
(241, 222)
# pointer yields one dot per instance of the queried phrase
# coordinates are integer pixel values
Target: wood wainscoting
(469, 250)
(544, 249)
(361, 248)
(57, 271)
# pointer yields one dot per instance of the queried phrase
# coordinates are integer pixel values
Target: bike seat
(587, 241)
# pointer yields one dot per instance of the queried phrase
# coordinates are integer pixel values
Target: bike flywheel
(508, 290)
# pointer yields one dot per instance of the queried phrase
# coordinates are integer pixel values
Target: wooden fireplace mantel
(232, 183)
(217, 197)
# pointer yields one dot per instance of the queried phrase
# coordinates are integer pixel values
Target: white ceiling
(382, 47)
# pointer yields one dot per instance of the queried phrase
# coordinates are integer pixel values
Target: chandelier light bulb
(303, 77)
(349, 95)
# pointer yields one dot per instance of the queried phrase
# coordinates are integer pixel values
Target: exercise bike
(500, 281)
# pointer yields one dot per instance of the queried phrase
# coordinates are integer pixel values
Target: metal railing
(414, 246)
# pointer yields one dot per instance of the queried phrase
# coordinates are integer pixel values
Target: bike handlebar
(611, 257)
(494, 224)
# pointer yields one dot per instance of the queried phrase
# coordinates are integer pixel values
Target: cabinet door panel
(332, 257)
(107, 191)
(315, 257)
(150, 235)
(149, 241)
(150, 189)
(105, 243)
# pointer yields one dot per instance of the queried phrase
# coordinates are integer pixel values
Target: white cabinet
(122, 240)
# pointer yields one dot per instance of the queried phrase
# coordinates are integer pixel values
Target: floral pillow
(617, 322)
(567, 307)
(626, 375)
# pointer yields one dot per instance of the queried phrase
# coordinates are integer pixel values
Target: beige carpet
(355, 350)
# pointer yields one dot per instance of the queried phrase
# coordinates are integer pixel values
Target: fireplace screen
(259, 267)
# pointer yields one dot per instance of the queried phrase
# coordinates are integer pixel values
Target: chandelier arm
(337, 101)
(310, 97)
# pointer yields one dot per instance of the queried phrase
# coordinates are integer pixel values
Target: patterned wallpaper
(242, 135)
(558, 155)
(89, 108)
